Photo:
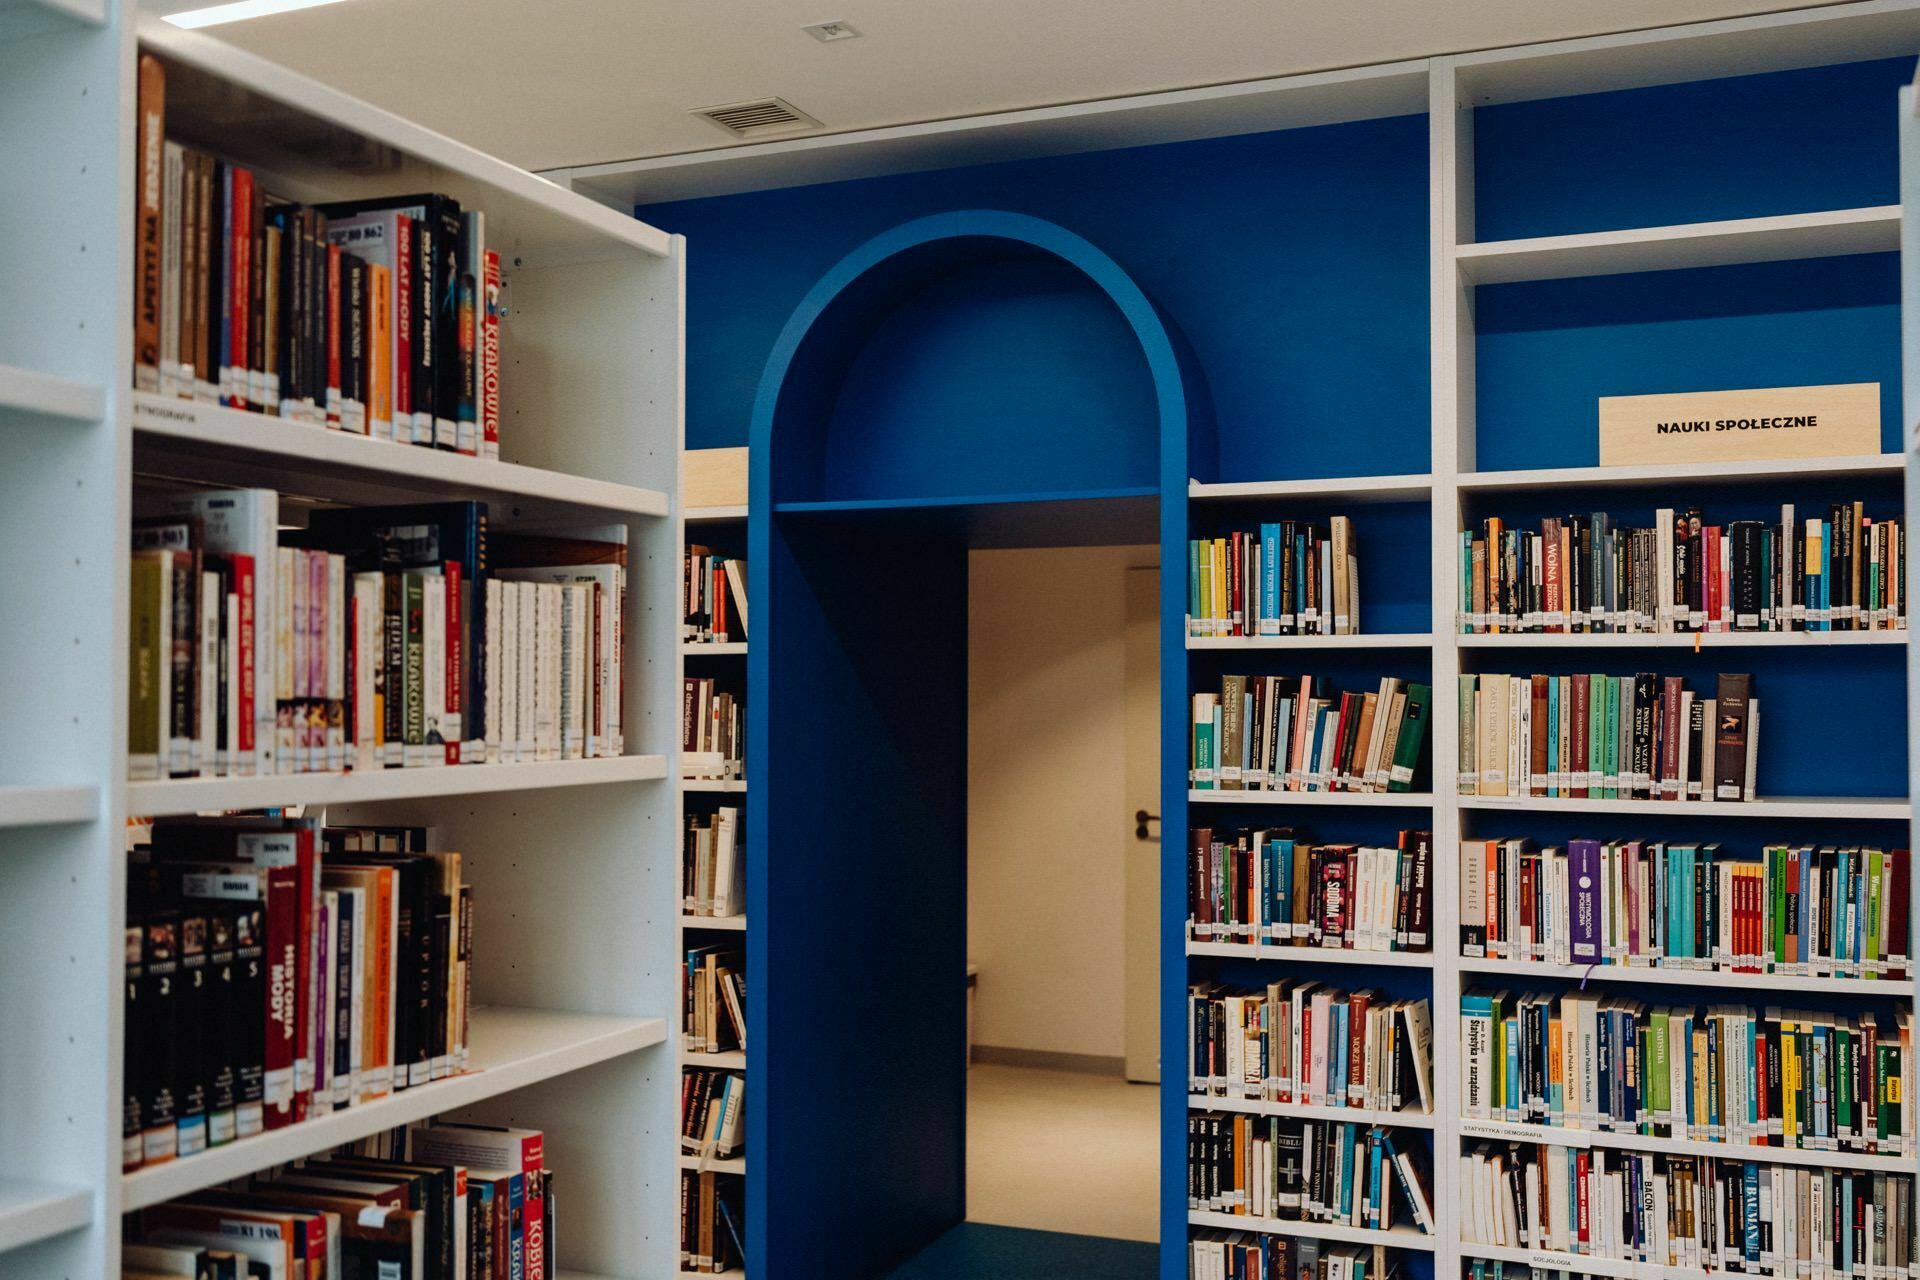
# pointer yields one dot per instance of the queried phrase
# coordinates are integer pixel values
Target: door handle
(1140, 820)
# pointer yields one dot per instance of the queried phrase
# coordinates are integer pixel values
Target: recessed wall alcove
(970, 379)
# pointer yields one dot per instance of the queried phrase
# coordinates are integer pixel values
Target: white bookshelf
(1349, 1115)
(714, 658)
(1313, 955)
(1399, 1237)
(1361, 799)
(1402, 488)
(1379, 640)
(1849, 807)
(1660, 976)
(574, 863)
(1701, 641)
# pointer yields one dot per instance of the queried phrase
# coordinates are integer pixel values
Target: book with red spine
(490, 358)
(452, 726)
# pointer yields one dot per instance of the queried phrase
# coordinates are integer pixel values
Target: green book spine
(1659, 1090)
(143, 669)
(1777, 873)
(1469, 750)
(1413, 732)
(1194, 610)
(1596, 735)
(1876, 867)
(1203, 773)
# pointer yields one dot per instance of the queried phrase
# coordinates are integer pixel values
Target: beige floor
(1058, 1151)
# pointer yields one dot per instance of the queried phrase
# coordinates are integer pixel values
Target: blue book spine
(1512, 1085)
(1283, 889)
(1553, 738)
(1376, 1185)
(1336, 1094)
(517, 1227)
(1348, 1132)
(1269, 579)
(1826, 576)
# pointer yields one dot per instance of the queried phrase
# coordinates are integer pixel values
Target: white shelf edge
(695, 648)
(1501, 1131)
(1382, 640)
(1829, 233)
(1382, 799)
(47, 806)
(735, 1164)
(299, 448)
(35, 1211)
(46, 395)
(1350, 1115)
(1400, 1238)
(198, 795)
(708, 515)
(733, 1274)
(731, 924)
(1659, 975)
(1888, 464)
(729, 1060)
(1314, 955)
(1703, 640)
(1796, 807)
(512, 1048)
(1402, 488)
(227, 62)
(724, 786)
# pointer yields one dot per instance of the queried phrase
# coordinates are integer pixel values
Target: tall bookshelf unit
(724, 528)
(574, 863)
(1688, 208)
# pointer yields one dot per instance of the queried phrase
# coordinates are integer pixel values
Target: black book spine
(1746, 574)
(1578, 588)
(222, 1028)
(190, 1005)
(353, 337)
(424, 359)
(135, 1054)
(159, 1028)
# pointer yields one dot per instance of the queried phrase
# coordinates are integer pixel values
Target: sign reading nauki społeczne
(1840, 420)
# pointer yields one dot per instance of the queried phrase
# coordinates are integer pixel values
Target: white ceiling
(547, 83)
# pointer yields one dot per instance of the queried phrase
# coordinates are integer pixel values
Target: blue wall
(1294, 264)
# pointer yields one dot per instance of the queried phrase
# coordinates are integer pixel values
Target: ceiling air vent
(761, 118)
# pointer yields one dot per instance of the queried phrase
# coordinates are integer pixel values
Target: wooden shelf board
(1855, 807)
(46, 806)
(42, 395)
(713, 515)
(189, 440)
(1702, 640)
(1830, 233)
(1397, 1238)
(1643, 975)
(1384, 640)
(1383, 799)
(1642, 477)
(255, 105)
(935, 503)
(35, 1211)
(1404, 488)
(1497, 1131)
(731, 1060)
(713, 648)
(1352, 1115)
(731, 924)
(738, 1164)
(1314, 955)
(512, 1048)
(199, 795)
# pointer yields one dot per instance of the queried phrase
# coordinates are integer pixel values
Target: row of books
(1839, 571)
(1290, 578)
(1637, 737)
(278, 970)
(712, 865)
(1811, 911)
(1726, 1073)
(1693, 1212)
(713, 729)
(1310, 1043)
(1268, 887)
(434, 1202)
(1242, 1255)
(713, 1222)
(712, 1121)
(379, 317)
(376, 637)
(713, 591)
(1288, 733)
(1331, 1171)
(713, 997)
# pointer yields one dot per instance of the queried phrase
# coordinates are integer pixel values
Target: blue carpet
(976, 1251)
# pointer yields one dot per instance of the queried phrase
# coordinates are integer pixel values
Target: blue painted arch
(856, 779)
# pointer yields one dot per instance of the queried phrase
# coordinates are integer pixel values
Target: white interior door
(1142, 854)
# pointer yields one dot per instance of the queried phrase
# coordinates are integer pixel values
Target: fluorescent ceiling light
(239, 11)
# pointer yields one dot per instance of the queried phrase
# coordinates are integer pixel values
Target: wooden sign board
(1835, 421)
